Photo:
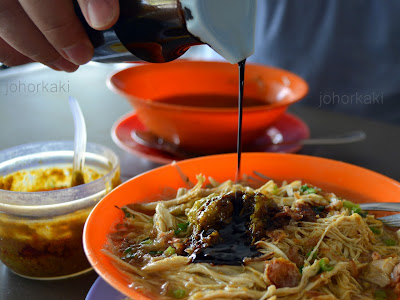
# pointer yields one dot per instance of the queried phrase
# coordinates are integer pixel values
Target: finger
(17, 30)
(11, 57)
(100, 14)
(59, 24)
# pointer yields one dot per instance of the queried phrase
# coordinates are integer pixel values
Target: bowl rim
(93, 254)
(149, 102)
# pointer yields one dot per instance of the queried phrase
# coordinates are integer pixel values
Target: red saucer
(287, 129)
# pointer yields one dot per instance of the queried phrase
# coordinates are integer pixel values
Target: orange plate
(289, 128)
(206, 130)
(349, 181)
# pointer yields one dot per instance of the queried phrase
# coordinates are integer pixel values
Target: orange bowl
(349, 181)
(205, 129)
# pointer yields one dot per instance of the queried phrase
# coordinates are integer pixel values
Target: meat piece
(395, 277)
(277, 235)
(294, 256)
(353, 268)
(335, 204)
(287, 212)
(268, 216)
(312, 241)
(375, 256)
(282, 273)
(379, 271)
(365, 257)
(306, 211)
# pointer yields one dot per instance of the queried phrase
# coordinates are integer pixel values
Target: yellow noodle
(342, 239)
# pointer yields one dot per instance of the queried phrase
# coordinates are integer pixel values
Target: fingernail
(101, 13)
(63, 64)
(80, 53)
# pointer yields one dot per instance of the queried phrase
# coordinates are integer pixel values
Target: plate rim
(167, 159)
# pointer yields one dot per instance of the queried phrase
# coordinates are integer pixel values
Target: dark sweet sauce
(235, 240)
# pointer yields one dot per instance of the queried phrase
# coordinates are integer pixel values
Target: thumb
(100, 14)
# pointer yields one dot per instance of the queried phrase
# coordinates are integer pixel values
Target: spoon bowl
(148, 139)
(80, 141)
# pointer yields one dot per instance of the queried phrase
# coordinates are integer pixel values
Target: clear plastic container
(41, 218)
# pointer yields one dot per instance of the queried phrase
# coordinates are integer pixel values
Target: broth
(212, 100)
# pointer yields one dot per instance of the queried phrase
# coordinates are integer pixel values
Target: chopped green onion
(390, 242)
(181, 227)
(324, 265)
(359, 211)
(311, 191)
(380, 295)
(350, 205)
(156, 252)
(303, 188)
(147, 241)
(354, 208)
(129, 253)
(128, 250)
(179, 293)
(307, 190)
(169, 251)
(127, 213)
(375, 230)
(275, 189)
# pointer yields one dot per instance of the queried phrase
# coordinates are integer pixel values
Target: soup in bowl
(194, 104)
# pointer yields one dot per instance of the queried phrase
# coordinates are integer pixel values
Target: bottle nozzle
(227, 26)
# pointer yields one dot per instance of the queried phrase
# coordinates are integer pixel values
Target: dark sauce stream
(241, 65)
(235, 244)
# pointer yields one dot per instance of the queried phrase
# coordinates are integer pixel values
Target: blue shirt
(347, 50)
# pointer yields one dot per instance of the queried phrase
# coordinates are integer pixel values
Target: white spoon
(80, 139)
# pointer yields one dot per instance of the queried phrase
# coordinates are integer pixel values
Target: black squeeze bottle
(153, 31)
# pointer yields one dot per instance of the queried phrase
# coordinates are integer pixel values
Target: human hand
(49, 32)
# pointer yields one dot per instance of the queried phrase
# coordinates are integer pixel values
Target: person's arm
(49, 32)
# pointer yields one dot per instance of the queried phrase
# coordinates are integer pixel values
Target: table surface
(34, 107)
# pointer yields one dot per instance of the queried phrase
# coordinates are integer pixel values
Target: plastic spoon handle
(80, 139)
